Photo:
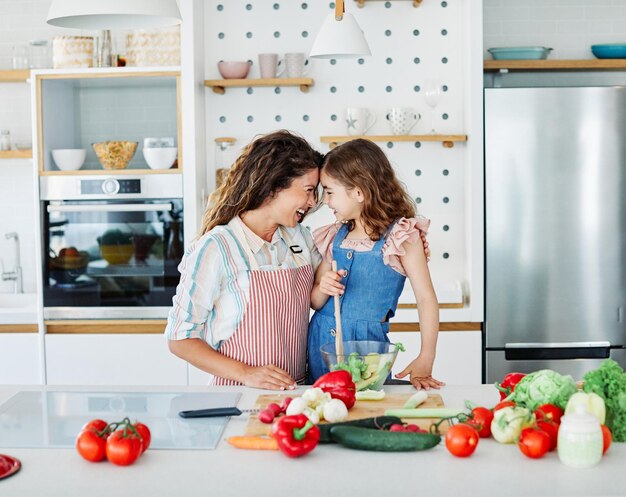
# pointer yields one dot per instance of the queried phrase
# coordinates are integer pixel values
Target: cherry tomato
(144, 433)
(396, 427)
(461, 440)
(534, 443)
(503, 404)
(607, 438)
(413, 428)
(96, 425)
(552, 429)
(91, 446)
(549, 412)
(123, 449)
(481, 421)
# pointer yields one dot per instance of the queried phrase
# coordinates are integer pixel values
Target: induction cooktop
(54, 419)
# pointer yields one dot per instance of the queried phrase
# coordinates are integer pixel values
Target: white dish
(69, 159)
(160, 158)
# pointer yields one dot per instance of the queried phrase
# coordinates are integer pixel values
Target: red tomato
(96, 425)
(144, 433)
(607, 438)
(534, 443)
(69, 252)
(503, 404)
(396, 427)
(123, 450)
(461, 440)
(552, 429)
(91, 446)
(549, 412)
(481, 421)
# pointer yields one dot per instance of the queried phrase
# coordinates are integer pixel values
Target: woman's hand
(426, 245)
(419, 371)
(330, 283)
(269, 377)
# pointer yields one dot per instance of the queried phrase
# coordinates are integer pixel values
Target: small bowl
(117, 254)
(115, 154)
(234, 69)
(160, 158)
(69, 159)
(66, 269)
(377, 359)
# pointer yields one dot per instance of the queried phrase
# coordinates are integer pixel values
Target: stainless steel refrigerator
(555, 207)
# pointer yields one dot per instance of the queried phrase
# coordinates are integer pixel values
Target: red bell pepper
(339, 385)
(508, 383)
(296, 435)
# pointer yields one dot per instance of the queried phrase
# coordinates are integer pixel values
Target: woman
(241, 309)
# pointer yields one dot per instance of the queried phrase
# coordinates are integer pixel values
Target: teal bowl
(609, 51)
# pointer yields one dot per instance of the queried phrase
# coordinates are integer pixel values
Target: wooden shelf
(108, 172)
(220, 85)
(25, 153)
(447, 140)
(361, 3)
(14, 75)
(562, 65)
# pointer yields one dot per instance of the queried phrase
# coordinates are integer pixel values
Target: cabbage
(609, 382)
(543, 387)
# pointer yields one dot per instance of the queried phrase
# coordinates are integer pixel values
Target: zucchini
(379, 423)
(355, 437)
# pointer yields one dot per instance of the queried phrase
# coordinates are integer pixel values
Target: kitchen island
(329, 470)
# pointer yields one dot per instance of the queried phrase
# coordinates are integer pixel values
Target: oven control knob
(110, 186)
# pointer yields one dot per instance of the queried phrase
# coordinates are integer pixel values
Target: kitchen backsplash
(570, 27)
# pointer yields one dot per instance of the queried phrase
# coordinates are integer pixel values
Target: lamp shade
(111, 14)
(340, 39)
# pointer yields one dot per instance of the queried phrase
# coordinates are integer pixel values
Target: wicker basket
(153, 47)
(72, 51)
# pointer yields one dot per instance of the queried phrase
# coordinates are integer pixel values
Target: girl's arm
(416, 268)
(327, 283)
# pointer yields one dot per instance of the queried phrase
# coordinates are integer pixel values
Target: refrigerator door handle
(556, 350)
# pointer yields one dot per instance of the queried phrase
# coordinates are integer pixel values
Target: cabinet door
(19, 359)
(459, 355)
(112, 360)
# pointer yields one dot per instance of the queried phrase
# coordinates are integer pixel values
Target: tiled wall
(570, 27)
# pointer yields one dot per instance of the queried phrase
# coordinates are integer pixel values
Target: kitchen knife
(216, 412)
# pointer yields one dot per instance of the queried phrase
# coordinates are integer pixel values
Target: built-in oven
(111, 245)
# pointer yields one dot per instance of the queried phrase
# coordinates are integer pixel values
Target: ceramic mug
(296, 65)
(359, 120)
(402, 120)
(270, 65)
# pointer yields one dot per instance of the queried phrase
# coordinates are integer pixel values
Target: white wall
(570, 27)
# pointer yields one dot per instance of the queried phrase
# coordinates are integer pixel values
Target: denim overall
(370, 299)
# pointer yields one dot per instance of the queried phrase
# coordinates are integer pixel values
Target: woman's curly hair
(362, 164)
(266, 166)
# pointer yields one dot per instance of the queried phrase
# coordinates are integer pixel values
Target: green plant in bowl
(368, 362)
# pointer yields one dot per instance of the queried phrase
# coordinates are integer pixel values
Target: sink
(17, 301)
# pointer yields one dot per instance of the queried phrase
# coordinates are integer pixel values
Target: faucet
(16, 274)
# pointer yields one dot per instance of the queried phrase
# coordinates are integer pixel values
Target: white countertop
(18, 308)
(328, 471)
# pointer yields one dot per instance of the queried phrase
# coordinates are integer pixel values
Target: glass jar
(5, 140)
(20, 57)
(580, 439)
(38, 54)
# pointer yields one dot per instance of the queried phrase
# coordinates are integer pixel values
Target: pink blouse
(406, 229)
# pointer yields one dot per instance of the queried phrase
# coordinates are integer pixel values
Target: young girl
(376, 244)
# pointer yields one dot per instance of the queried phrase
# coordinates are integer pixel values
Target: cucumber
(371, 423)
(355, 437)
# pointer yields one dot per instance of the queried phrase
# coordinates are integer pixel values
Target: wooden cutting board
(362, 409)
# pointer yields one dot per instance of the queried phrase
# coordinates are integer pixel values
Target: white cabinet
(99, 359)
(197, 376)
(458, 359)
(19, 359)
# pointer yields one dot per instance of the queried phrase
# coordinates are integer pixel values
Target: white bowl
(160, 158)
(69, 159)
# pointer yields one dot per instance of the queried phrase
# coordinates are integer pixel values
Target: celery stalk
(435, 412)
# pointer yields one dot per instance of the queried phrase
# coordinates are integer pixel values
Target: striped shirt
(214, 289)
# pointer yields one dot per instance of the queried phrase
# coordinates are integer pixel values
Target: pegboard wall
(409, 45)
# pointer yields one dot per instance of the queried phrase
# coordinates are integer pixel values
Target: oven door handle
(109, 208)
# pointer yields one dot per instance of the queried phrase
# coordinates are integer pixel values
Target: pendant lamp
(340, 37)
(112, 14)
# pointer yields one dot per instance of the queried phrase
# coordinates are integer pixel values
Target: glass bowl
(115, 154)
(369, 362)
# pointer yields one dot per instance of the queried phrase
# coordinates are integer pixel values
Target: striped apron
(274, 327)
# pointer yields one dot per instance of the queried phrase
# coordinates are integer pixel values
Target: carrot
(253, 442)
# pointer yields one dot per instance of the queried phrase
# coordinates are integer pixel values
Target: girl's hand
(269, 377)
(330, 284)
(419, 371)
(426, 245)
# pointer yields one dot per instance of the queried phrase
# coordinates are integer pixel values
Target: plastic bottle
(5, 140)
(580, 439)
